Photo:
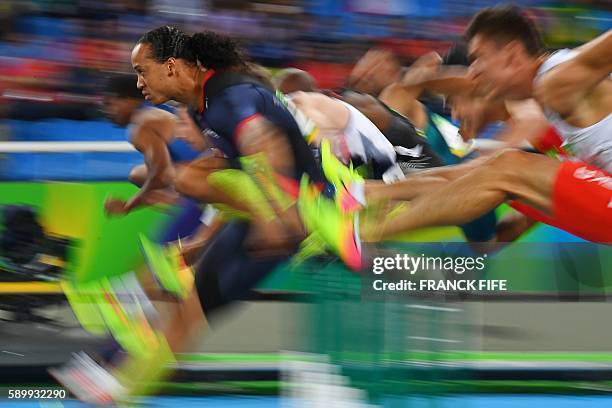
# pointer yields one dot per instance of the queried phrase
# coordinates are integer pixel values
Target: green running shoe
(168, 267)
(334, 226)
(345, 180)
(311, 246)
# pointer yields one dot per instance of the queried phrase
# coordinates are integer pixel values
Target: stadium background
(53, 58)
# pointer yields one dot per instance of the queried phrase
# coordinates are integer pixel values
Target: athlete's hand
(187, 130)
(376, 70)
(471, 115)
(116, 207)
(423, 69)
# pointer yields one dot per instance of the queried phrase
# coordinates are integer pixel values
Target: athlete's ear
(171, 66)
(514, 51)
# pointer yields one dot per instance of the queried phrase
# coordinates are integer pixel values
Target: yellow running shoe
(334, 226)
(168, 267)
(347, 182)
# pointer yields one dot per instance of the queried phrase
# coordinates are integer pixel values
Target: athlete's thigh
(204, 164)
(526, 177)
(226, 270)
(196, 171)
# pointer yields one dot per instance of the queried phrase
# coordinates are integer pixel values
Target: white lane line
(438, 308)
(15, 354)
(434, 339)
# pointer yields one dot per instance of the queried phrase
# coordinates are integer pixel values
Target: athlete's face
(496, 68)
(155, 79)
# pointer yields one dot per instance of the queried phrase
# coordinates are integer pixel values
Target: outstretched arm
(376, 70)
(565, 85)
(152, 131)
(427, 74)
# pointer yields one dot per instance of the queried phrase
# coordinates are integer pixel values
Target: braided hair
(209, 49)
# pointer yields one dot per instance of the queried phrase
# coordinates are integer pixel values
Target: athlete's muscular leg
(419, 183)
(184, 320)
(512, 174)
(403, 190)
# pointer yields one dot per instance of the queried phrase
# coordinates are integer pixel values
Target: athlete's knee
(182, 183)
(515, 171)
(506, 158)
(508, 164)
(138, 175)
(192, 183)
(499, 173)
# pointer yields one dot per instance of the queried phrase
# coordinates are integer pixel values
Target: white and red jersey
(592, 144)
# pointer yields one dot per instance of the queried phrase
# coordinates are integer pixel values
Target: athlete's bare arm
(426, 74)
(329, 115)
(403, 97)
(153, 129)
(474, 113)
(525, 123)
(581, 82)
(376, 70)
(261, 136)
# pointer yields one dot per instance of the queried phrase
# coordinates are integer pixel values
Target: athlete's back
(235, 105)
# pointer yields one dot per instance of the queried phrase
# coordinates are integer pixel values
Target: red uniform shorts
(582, 202)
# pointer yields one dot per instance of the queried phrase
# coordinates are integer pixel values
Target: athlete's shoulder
(150, 121)
(167, 107)
(244, 91)
(153, 114)
(557, 58)
(231, 99)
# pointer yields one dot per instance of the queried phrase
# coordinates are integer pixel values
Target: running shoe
(168, 267)
(142, 375)
(87, 380)
(374, 219)
(137, 376)
(310, 247)
(349, 185)
(339, 229)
